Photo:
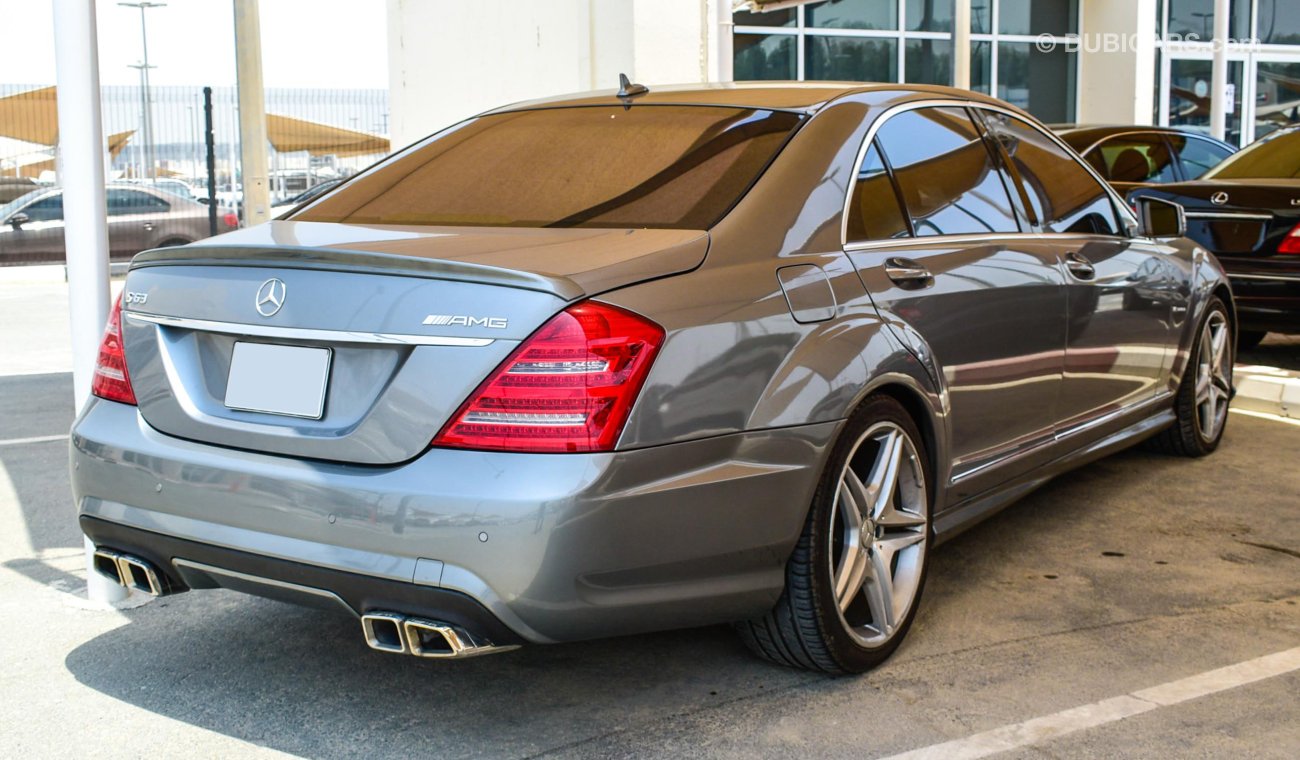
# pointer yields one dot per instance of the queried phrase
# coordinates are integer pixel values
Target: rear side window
(874, 213)
(1196, 156)
(1064, 195)
(1134, 158)
(949, 182)
(596, 166)
(124, 202)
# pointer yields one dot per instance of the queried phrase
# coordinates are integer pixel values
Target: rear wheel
(854, 581)
(1201, 404)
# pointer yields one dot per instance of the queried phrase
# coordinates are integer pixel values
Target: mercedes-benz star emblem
(270, 297)
(1219, 198)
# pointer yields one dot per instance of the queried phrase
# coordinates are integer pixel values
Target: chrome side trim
(1268, 277)
(259, 580)
(1229, 216)
(304, 333)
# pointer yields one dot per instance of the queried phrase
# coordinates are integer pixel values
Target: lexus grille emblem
(270, 297)
(1219, 198)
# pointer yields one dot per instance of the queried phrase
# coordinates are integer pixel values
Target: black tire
(805, 628)
(1249, 339)
(1185, 437)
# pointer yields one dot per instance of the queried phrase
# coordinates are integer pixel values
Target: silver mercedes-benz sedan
(625, 362)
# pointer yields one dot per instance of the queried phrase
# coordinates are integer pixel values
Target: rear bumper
(1267, 301)
(554, 547)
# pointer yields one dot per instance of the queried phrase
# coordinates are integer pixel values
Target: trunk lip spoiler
(356, 261)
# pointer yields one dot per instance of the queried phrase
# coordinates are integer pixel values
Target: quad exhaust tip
(396, 633)
(125, 570)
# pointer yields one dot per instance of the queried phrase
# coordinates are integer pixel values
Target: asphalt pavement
(1045, 628)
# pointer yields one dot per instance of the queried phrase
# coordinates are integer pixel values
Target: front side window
(1197, 156)
(949, 182)
(47, 209)
(1064, 196)
(1134, 158)
(874, 213)
(670, 167)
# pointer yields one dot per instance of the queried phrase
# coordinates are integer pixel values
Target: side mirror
(18, 220)
(204, 200)
(1160, 218)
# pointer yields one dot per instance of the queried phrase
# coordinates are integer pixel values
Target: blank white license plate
(288, 380)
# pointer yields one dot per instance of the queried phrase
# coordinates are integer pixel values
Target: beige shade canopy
(35, 169)
(30, 116)
(288, 135)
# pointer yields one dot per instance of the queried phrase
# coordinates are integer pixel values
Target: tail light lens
(111, 380)
(568, 387)
(1291, 243)
(230, 219)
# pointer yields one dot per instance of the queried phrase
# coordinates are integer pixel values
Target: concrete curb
(1267, 389)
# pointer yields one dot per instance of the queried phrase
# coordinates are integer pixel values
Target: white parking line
(1059, 724)
(36, 439)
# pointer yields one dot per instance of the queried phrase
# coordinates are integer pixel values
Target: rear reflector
(111, 380)
(1291, 243)
(568, 387)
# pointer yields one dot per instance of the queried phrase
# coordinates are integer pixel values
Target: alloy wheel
(1213, 376)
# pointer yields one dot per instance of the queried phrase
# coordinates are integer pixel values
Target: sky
(339, 44)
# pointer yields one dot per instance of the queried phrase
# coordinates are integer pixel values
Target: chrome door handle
(1079, 266)
(907, 272)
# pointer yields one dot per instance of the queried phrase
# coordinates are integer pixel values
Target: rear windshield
(1274, 157)
(677, 167)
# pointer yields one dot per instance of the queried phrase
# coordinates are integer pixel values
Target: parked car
(315, 190)
(1247, 211)
(607, 364)
(1130, 157)
(138, 218)
(174, 186)
(14, 187)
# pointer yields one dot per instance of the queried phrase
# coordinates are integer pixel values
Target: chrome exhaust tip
(429, 638)
(106, 564)
(138, 575)
(384, 631)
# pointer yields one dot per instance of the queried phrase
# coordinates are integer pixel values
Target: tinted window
(1134, 158)
(946, 173)
(874, 213)
(1274, 157)
(1197, 156)
(122, 202)
(47, 209)
(1062, 193)
(598, 166)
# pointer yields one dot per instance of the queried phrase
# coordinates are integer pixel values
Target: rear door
(939, 249)
(1127, 296)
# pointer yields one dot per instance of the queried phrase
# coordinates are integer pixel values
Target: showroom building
(1084, 61)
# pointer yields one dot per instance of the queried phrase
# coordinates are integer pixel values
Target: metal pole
(1219, 75)
(210, 140)
(81, 172)
(147, 121)
(961, 44)
(252, 112)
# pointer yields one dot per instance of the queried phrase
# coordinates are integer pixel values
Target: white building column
(85, 213)
(961, 44)
(1219, 74)
(252, 113)
(1117, 70)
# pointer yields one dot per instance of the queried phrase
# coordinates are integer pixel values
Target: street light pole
(146, 158)
(147, 118)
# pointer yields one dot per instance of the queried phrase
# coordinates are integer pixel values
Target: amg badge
(458, 320)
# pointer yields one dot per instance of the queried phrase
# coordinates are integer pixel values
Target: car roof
(805, 97)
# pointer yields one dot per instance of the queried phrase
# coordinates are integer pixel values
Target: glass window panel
(784, 17)
(1134, 158)
(1064, 195)
(854, 59)
(874, 213)
(1194, 19)
(928, 62)
(946, 173)
(1277, 96)
(1189, 96)
(929, 15)
(1197, 155)
(853, 14)
(47, 209)
(981, 16)
(764, 56)
(981, 66)
(1040, 82)
(1038, 17)
(1279, 22)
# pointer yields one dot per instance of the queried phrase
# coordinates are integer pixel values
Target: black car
(1130, 157)
(1247, 211)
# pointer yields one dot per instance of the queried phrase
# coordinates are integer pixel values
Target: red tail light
(230, 219)
(1291, 243)
(111, 380)
(568, 387)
